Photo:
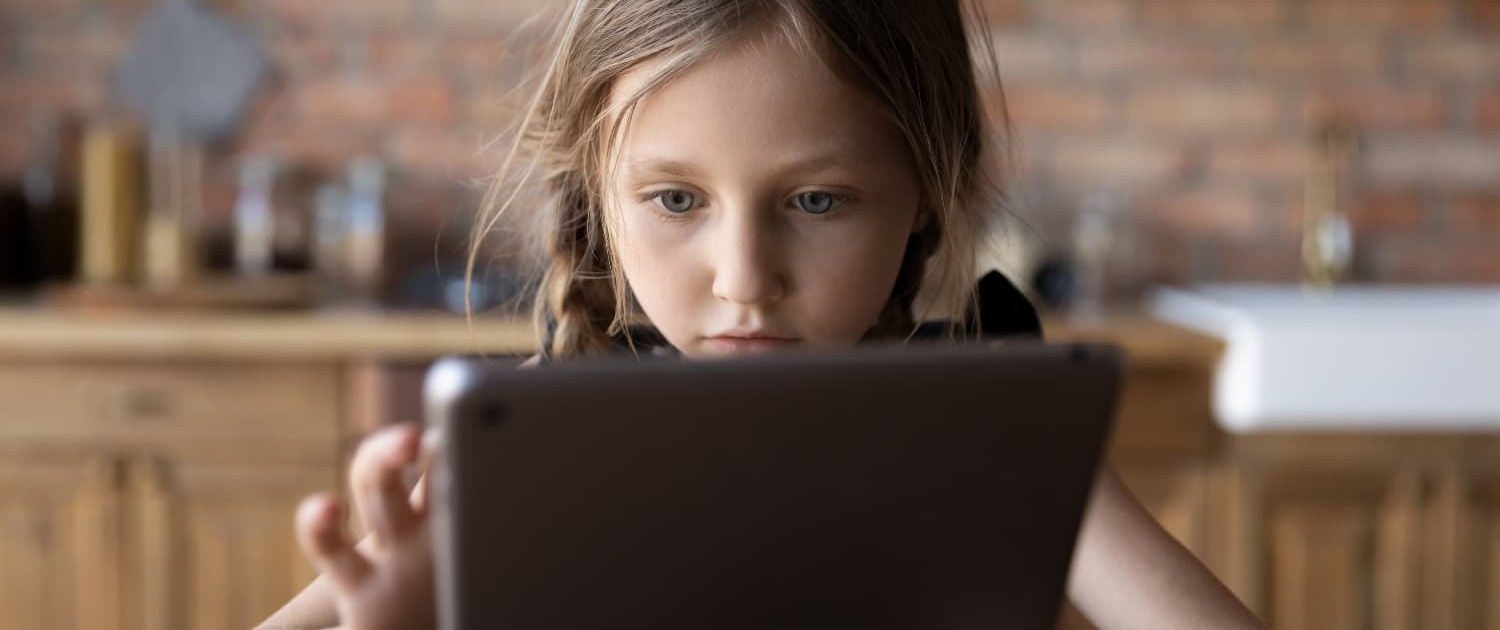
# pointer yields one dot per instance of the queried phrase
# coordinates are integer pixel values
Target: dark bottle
(39, 215)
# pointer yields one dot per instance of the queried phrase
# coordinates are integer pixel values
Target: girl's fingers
(375, 479)
(421, 496)
(320, 531)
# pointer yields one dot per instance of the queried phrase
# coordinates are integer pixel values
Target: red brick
(1119, 163)
(1205, 108)
(1452, 161)
(302, 48)
(429, 205)
(491, 12)
(1260, 160)
(1028, 55)
(1485, 14)
(487, 57)
(374, 101)
(78, 93)
(1478, 213)
(1232, 14)
(402, 51)
(1386, 213)
(339, 11)
(1453, 58)
(1006, 12)
(43, 8)
(1316, 56)
(15, 147)
(1219, 213)
(1441, 262)
(9, 45)
(493, 108)
(1053, 107)
(1412, 108)
(423, 100)
(1091, 14)
(233, 8)
(68, 45)
(320, 146)
(1115, 58)
(272, 108)
(445, 155)
(1258, 261)
(342, 100)
(1400, 15)
(1170, 259)
(1487, 112)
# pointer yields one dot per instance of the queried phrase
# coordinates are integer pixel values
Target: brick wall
(1195, 113)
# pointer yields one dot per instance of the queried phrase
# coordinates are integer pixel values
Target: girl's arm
(1129, 574)
(312, 609)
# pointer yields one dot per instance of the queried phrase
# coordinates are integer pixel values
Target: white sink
(1385, 358)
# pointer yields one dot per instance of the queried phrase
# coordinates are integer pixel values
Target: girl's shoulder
(1004, 311)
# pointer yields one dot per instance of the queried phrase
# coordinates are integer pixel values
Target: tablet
(895, 487)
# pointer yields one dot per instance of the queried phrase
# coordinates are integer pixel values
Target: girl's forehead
(758, 91)
(771, 53)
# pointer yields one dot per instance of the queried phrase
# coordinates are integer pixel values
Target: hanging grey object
(190, 70)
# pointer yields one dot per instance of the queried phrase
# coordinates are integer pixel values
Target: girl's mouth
(749, 341)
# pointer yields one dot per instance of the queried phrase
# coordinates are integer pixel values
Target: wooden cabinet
(1466, 536)
(212, 546)
(1324, 548)
(59, 543)
(150, 465)
(156, 495)
(1360, 530)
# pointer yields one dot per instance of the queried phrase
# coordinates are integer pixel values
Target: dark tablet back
(919, 487)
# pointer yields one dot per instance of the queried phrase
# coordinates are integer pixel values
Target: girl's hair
(911, 57)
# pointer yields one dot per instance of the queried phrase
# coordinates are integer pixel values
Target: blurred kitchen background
(232, 236)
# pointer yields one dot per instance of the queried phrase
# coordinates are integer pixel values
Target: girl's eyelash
(837, 199)
(654, 198)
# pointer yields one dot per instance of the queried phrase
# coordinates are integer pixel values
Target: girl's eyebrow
(678, 168)
(662, 166)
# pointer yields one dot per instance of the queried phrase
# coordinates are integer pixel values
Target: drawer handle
(144, 404)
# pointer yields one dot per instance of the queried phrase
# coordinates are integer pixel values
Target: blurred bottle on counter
(330, 205)
(112, 187)
(169, 247)
(1099, 264)
(1327, 235)
(39, 214)
(364, 244)
(254, 227)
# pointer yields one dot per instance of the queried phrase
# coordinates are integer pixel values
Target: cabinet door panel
(213, 545)
(1466, 553)
(1331, 549)
(59, 545)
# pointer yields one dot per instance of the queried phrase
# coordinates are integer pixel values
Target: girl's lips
(732, 344)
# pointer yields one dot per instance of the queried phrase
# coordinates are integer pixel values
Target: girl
(748, 175)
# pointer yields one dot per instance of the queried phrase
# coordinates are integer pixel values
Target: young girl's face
(762, 202)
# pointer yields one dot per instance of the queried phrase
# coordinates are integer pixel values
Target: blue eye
(816, 202)
(675, 201)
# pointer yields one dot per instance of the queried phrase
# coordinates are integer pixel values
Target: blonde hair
(912, 57)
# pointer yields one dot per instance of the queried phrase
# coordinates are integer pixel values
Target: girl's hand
(386, 581)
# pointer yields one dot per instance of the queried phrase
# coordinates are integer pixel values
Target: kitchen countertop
(333, 335)
(279, 336)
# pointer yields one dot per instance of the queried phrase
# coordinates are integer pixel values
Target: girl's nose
(747, 260)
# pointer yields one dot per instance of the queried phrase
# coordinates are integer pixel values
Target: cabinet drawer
(169, 400)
